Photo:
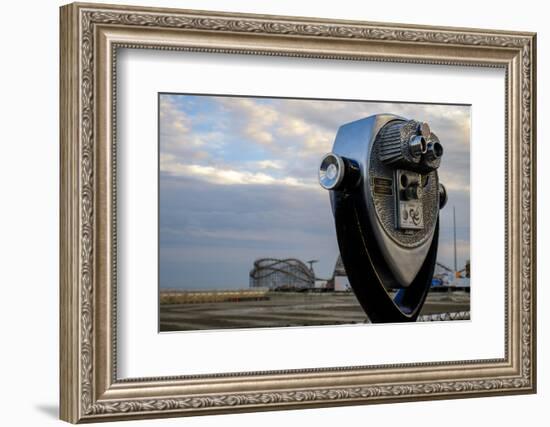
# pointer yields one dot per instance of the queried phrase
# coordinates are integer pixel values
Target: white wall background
(29, 171)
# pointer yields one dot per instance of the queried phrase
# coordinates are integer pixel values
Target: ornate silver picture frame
(91, 37)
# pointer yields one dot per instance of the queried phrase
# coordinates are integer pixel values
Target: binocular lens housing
(410, 145)
(338, 173)
(436, 149)
(418, 145)
(331, 171)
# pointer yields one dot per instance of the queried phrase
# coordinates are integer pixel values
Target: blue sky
(238, 181)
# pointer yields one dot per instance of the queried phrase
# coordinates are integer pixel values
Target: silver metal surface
(424, 129)
(410, 144)
(434, 153)
(331, 171)
(401, 144)
(355, 141)
(409, 207)
(387, 208)
(417, 145)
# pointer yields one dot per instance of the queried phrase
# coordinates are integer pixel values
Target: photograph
(256, 198)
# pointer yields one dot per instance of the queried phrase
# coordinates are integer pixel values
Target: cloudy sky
(238, 181)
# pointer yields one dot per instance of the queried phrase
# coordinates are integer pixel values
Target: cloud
(246, 133)
(223, 176)
(239, 181)
(269, 164)
(178, 135)
(254, 118)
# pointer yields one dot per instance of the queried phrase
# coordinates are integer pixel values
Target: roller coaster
(281, 274)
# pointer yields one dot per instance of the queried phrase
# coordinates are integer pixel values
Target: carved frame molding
(90, 37)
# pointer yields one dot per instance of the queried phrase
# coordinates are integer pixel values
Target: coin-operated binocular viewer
(386, 196)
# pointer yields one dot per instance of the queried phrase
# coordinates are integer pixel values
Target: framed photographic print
(266, 212)
(263, 219)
